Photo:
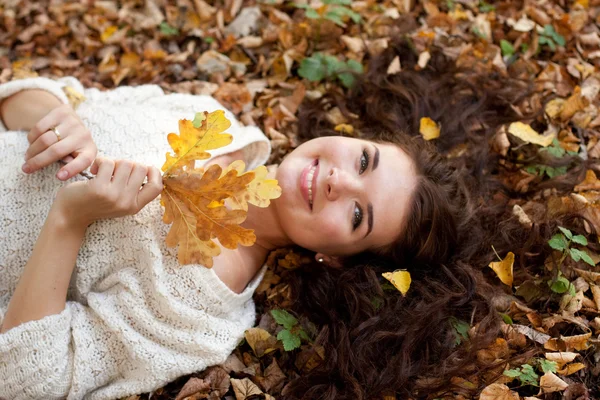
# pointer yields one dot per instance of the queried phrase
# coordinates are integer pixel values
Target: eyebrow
(375, 159)
(370, 219)
(370, 205)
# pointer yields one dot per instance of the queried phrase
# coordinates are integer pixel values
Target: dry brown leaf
(561, 358)
(551, 383)
(244, 388)
(261, 341)
(571, 369)
(192, 387)
(568, 343)
(497, 391)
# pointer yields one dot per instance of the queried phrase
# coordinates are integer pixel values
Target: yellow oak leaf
(259, 192)
(192, 143)
(529, 135)
(504, 268)
(400, 279)
(429, 129)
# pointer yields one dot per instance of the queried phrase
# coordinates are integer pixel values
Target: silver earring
(320, 260)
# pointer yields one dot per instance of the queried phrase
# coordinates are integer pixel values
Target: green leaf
(547, 41)
(342, 12)
(512, 373)
(486, 7)
(338, 2)
(333, 64)
(506, 318)
(560, 286)
(572, 291)
(567, 232)
(303, 335)
(547, 365)
(552, 172)
(528, 375)
(284, 318)
(209, 39)
(524, 47)
(555, 149)
(559, 39)
(577, 255)
(507, 48)
(450, 5)
(313, 68)
(167, 29)
(312, 13)
(347, 78)
(558, 242)
(198, 119)
(586, 257)
(461, 329)
(580, 239)
(290, 341)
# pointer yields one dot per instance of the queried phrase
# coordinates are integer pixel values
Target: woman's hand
(116, 191)
(75, 146)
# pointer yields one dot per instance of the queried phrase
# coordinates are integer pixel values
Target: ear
(329, 261)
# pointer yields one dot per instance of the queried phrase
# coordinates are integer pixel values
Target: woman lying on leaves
(94, 305)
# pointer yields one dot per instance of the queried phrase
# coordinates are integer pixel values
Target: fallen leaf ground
(261, 59)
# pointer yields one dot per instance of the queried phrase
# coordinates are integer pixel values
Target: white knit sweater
(134, 319)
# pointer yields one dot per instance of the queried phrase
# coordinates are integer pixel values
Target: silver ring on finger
(56, 132)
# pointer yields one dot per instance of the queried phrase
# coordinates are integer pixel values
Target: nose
(339, 182)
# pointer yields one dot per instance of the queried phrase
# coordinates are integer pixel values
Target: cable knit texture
(134, 319)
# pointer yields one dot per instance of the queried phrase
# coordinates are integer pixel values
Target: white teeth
(309, 180)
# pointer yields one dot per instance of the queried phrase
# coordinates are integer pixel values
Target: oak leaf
(196, 200)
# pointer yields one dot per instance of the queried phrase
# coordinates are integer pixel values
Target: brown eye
(364, 162)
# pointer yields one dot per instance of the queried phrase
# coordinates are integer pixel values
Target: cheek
(331, 226)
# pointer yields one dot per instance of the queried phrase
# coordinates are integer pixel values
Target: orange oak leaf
(199, 202)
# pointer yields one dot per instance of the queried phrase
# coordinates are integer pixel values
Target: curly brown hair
(377, 341)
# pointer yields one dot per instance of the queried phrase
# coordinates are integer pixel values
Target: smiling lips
(308, 182)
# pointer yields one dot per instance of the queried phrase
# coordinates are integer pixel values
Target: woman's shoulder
(237, 268)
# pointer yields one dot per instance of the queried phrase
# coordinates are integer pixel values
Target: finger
(75, 166)
(52, 119)
(53, 153)
(44, 141)
(103, 168)
(123, 169)
(152, 188)
(138, 174)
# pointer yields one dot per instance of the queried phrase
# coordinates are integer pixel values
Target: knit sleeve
(52, 86)
(36, 359)
(137, 333)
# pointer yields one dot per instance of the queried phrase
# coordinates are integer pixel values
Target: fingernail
(62, 174)
(26, 168)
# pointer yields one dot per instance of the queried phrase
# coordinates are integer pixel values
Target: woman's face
(357, 199)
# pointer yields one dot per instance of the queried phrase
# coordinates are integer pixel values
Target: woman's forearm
(24, 109)
(42, 289)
